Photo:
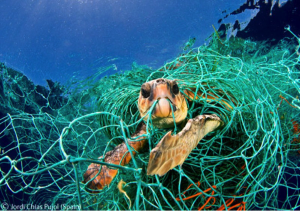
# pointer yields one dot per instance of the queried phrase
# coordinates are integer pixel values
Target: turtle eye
(145, 90)
(175, 88)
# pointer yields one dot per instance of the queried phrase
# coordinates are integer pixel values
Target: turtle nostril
(160, 80)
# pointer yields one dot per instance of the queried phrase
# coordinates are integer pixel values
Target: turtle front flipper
(119, 156)
(173, 150)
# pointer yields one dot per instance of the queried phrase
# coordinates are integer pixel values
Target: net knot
(69, 159)
(138, 173)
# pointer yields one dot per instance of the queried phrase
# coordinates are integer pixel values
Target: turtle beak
(163, 95)
(163, 108)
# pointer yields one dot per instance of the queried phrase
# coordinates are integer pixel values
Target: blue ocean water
(60, 39)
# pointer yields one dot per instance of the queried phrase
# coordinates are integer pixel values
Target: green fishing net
(250, 163)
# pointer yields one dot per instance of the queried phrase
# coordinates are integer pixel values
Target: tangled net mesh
(54, 135)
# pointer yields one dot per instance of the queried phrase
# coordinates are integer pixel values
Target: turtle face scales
(167, 94)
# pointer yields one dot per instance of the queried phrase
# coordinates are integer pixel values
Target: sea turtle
(172, 150)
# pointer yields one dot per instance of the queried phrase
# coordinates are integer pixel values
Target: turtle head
(167, 94)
